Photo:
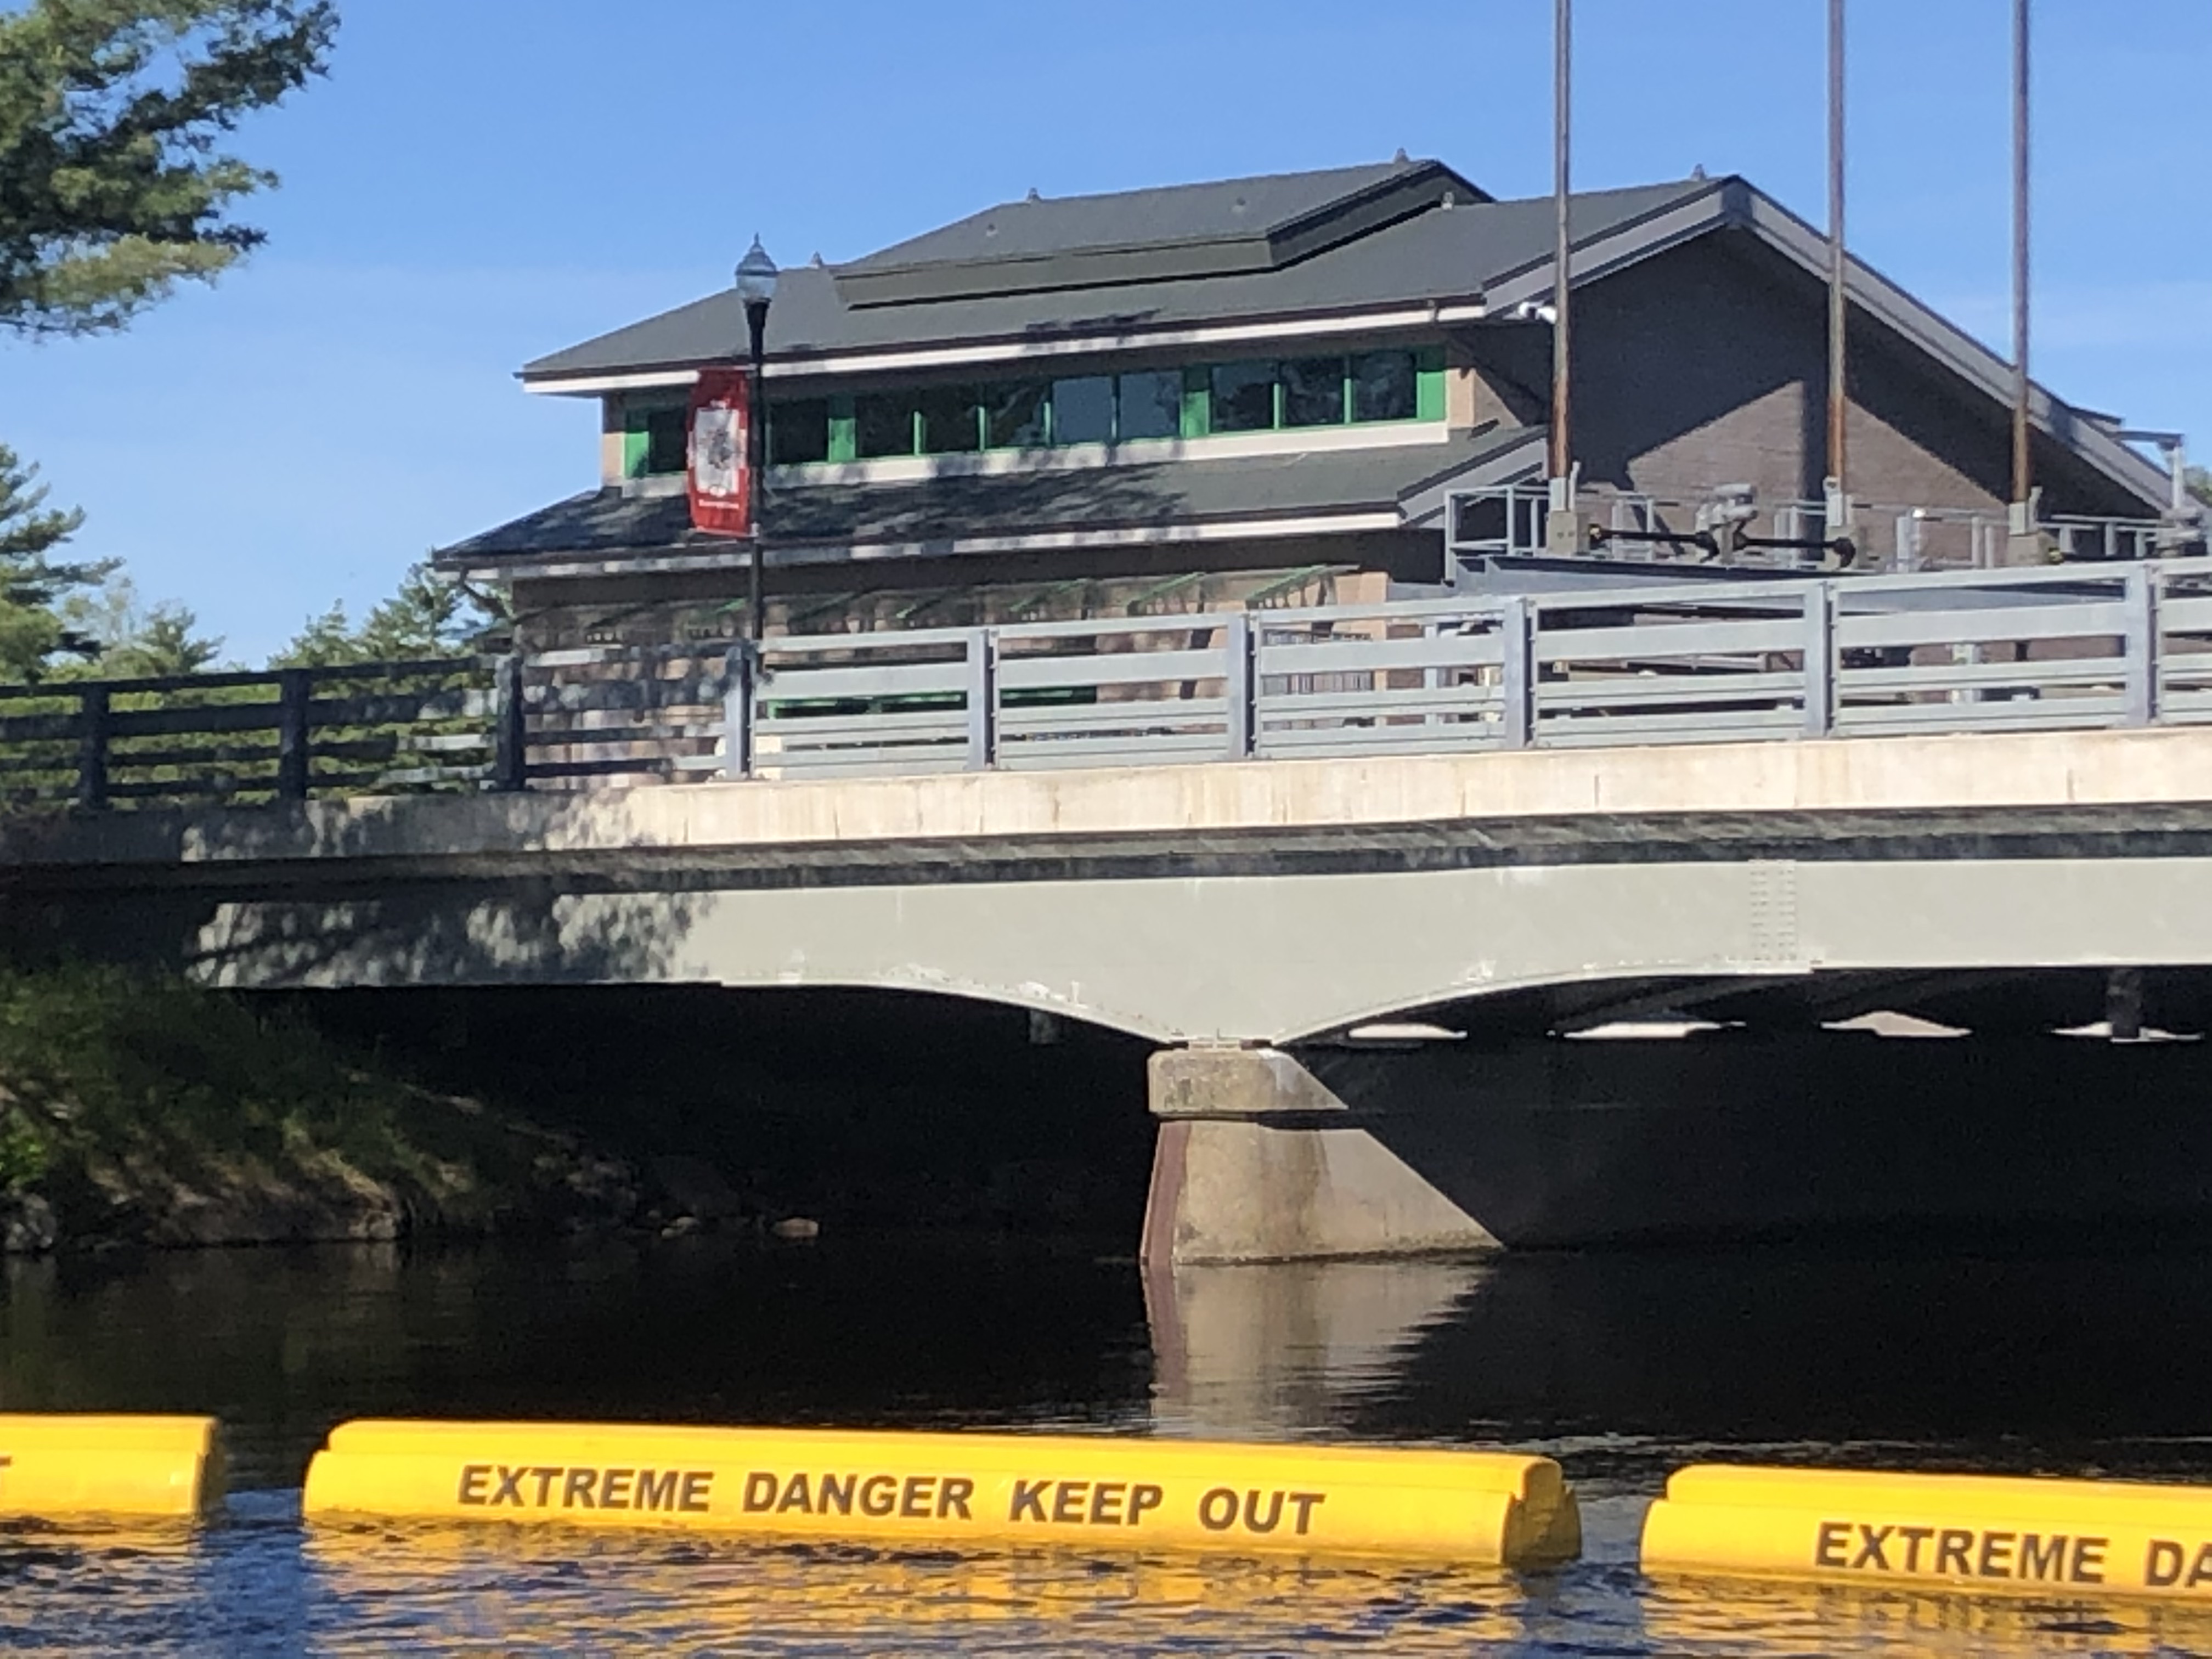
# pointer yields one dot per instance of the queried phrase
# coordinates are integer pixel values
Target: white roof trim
(1425, 509)
(1433, 314)
(533, 567)
(1628, 245)
(1959, 351)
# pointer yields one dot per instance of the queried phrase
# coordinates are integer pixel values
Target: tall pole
(2023, 479)
(1838, 401)
(1561, 459)
(756, 461)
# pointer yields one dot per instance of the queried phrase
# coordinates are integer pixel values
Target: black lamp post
(756, 279)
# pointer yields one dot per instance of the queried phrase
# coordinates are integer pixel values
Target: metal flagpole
(2024, 548)
(1562, 527)
(1839, 481)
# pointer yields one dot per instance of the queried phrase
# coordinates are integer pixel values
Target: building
(1300, 388)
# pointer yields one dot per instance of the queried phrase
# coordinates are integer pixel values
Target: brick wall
(1708, 365)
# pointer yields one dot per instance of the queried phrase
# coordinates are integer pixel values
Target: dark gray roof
(608, 523)
(1149, 235)
(1225, 209)
(1442, 254)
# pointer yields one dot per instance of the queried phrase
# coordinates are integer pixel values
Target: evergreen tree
(33, 585)
(428, 617)
(136, 642)
(162, 645)
(112, 189)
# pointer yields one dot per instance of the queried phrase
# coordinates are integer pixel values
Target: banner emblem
(721, 485)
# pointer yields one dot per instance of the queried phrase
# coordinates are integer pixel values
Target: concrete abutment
(1265, 1154)
(1258, 1161)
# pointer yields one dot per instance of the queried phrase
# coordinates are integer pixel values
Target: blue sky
(482, 181)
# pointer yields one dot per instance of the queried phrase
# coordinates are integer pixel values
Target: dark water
(2067, 1360)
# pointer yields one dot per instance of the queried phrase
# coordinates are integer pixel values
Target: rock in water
(27, 1225)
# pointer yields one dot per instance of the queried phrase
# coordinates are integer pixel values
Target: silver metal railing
(1506, 522)
(2120, 645)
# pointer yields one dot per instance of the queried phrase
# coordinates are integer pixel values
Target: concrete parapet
(1258, 1161)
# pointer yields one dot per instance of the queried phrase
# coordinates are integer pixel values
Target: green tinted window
(798, 432)
(1313, 391)
(1383, 387)
(1243, 397)
(883, 423)
(1014, 415)
(949, 421)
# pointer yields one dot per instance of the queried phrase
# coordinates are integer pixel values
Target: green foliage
(129, 1086)
(111, 111)
(136, 641)
(24, 1157)
(428, 617)
(164, 644)
(2200, 485)
(33, 585)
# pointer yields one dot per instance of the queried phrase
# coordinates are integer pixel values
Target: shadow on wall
(519, 931)
(513, 931)
(1552, 1142)
(337, 892)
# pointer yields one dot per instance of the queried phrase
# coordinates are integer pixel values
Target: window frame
(1196, 420)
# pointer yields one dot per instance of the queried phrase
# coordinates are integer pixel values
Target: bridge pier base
(1258, 1161)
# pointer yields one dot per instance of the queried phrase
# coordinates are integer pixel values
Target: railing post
(92, 748)
(1517, 670)
(510, 753)
(295, 688)
(982, 699)
(1241, 686)
(1820, 660)
(2139, 644)
(737, 681)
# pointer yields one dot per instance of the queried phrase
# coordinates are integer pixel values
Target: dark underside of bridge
(870, 1108)
(1681, 1110)
(1980, 1003)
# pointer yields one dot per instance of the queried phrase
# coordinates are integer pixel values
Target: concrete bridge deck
(1239, 914)
(1256, 903)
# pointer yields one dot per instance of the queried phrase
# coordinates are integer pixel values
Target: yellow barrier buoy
(1485, 1508)
(1983, 1533)
(69, 1466)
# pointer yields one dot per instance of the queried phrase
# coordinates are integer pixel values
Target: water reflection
(1624, 1366)
(1284, 1348)
(1768, 1621)
(712, 1596)
(2029, 1360)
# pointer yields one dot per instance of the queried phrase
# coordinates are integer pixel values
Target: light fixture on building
(756, 284)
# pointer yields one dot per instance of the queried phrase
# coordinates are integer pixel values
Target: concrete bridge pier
(1345, 1151)
(1258, 1160)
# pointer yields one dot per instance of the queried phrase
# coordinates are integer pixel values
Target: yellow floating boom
(1977, 1532)
(75, 1466)
(991, 1490)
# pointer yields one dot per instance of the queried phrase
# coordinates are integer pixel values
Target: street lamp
(756, 282)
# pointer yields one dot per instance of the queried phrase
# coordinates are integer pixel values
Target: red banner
(721, 476)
